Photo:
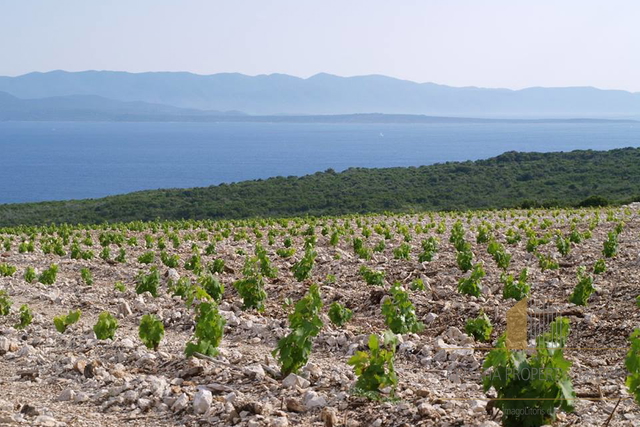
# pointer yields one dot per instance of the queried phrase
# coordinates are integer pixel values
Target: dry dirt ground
(49, 378)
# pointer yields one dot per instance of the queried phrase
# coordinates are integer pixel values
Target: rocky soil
(53, 379)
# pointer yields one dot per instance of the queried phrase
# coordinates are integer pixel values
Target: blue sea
(74, 160)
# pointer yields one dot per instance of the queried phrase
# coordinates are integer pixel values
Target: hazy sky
(502, 43)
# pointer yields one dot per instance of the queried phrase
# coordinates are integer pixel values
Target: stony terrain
(50, 378)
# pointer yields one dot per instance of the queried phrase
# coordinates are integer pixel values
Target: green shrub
(402, 252)
(30, 275)
(194, 264)
(171, 261)
(532, 244)
(546, 262)
(380, 246)
(471, 285)
(583, 289)
(599, 266)
(339, 314)
(87, 276)
(285, 252)
(515, 289)
(251, 287)
(361, 249)
(5, 303)
(611, 245)
(499, 254)
(182, 288)
(208, 331)
(483, 235)
(105, 254)
(480, 327)
(374, 368)
(26, 247)
(121, 258)
(217, 266)
(48, 276)
(464, 258)
(210, 249)
(148, 282)
(563, 245)
(212, 286)
(530, 389)
(575, 237)
(63, 322)
(594, 201)
(294, 349)
(7, 270)
(429, 249)
(266, 268)
(457, 236)
(106, 326)
(513, 236)
(302, 269)
(147, 257)
(151, 331)
(417, 285)
(372, 277)
(632, 362)
(25, 317)
(399, 312)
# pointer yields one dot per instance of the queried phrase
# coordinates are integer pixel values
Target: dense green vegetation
(512, 179)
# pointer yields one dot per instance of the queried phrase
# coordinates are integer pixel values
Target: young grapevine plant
(480, 327)
(294, 349)
(372, 277)
(399, 312)
(516, 289)
(64, 321)
(48, 276)
(208, 332)
(302, 269)
(611, 245)
(106, 326)
(632, 362)
(339, 314)
(25, 317)
(584, 289)
(471, 285)
(531, 389)
(374, 368)
(251, 287)
(212, 286)
(151, 331)
(5, 303)
(148, 282)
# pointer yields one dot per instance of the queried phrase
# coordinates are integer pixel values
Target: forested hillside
(509, 180)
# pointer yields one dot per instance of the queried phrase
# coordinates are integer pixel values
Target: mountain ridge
(91, 107)
(325, 93)
(96, 108)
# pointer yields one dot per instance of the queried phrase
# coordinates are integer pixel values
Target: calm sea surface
(54, 161)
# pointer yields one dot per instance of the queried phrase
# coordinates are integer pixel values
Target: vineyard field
(358, 320)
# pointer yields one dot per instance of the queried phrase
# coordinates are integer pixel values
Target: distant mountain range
(80, 108)
(118, 94)
(92, 107)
